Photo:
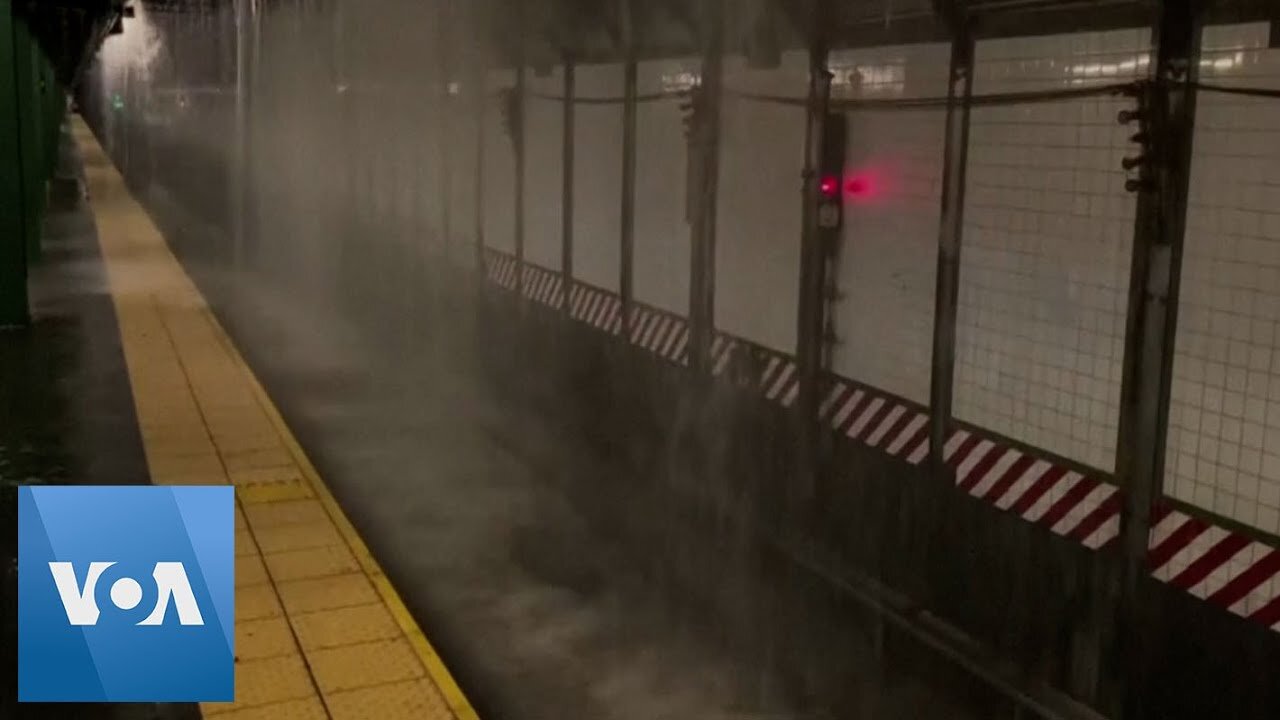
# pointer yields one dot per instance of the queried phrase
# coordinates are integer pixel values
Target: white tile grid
(499, 167)
(544, 138)
(597, 178)
(758, 205)
(888, 261)
(1223, 451)
(1046, 251)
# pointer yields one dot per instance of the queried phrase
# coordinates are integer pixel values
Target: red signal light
(864, 185)
(829, 186)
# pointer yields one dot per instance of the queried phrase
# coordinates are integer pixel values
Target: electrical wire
(643, 98)
(1012, 98)
(980, 100)
(1246, 91)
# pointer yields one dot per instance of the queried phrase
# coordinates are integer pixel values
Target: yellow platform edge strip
(431, 660)
(426, 653)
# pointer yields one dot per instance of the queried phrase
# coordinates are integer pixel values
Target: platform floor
(320, 631)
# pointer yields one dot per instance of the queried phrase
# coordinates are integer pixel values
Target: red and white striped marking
(542, 285)
(596, 307)
(1220, 566)
(1085, 509)
(502, 268)
(780, 380)
(723, 349)
(662, 333)
(876, 421)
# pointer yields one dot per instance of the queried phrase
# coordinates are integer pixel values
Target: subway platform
(320, 630)
(496, 541)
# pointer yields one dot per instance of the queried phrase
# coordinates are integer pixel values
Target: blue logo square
(126, 594)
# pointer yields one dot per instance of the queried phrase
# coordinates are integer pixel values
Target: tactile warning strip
(320, 631)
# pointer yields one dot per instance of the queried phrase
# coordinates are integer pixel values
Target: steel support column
(950, 232)
(14, 309)
(242, 198)
(518, 140)
(567, 179)
(813, 259)
(480, 87)
(444, 125)
(1167, 114)
(628, 205)
(30, 155)
(706, 146)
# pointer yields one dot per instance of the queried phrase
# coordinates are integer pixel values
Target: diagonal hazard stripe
(1072, 498)
(1268, 614)
(981, 467)
(1246, 582)
(1010, 476)
(1106, 509)
(1224, 550)
(1176, 541)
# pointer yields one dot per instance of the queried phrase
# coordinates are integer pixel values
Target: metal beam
(950, 231)
(14, 310)
(518, 141)
(810, 322)
(567, 179)
(27, 61)
(242, 197)
(480, 86)
(1167, 115)
(628, 206)
(445, 17)
(705, 145)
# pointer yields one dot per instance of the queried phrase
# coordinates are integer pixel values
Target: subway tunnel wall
(317, 155)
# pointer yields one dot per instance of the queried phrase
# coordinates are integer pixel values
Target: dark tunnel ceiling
(69, 30)
(546, 30)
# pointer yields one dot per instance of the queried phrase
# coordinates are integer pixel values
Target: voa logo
(126, 594)
(171, 584)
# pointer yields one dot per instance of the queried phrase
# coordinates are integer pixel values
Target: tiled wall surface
(888, 263)
(1224, 429)
(597, 217)
(662, 249)
(499, 168)
(1046, 250)
(462, 150)
(758, 223)
(543, 179)
(1048, 233)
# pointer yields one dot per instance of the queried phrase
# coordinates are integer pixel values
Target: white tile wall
(1046, 254)
(1046, 246)
(888, 262)
(544, 129)
(462, 149)
(1224, 429)
(597, 210)
(758, 223)
(499, 168)
(662, 250)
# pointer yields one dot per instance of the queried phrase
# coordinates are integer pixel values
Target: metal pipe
(950, 233)
(567, 181)
(518, 144)
(706, 147)
(627, 213)
(1168, 112)
(14, 307)
(480, 85)
(240, 198)
(809, 335)
(444, 129)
